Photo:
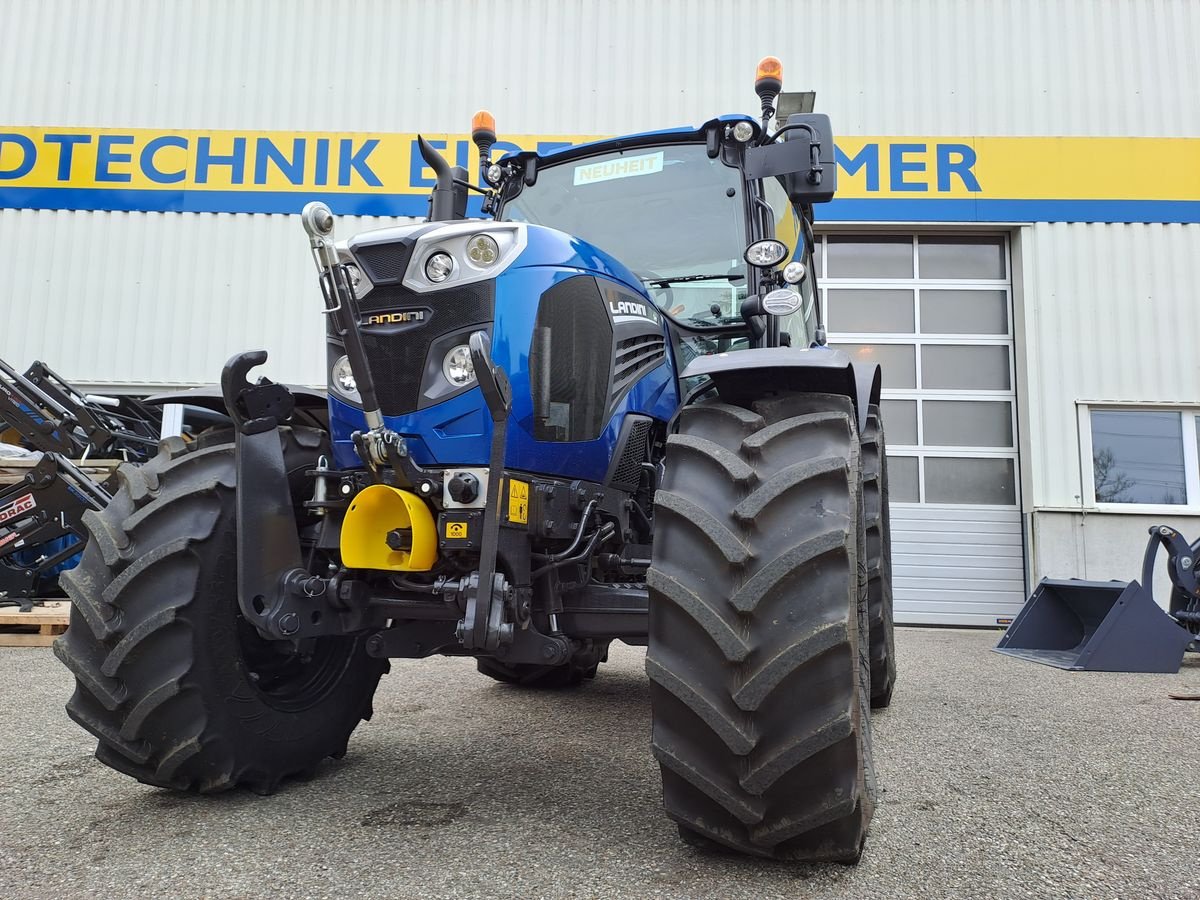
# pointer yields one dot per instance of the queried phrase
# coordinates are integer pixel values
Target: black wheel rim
(292, 676)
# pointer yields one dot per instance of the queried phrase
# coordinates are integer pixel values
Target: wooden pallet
(37, 628)
(13, 470)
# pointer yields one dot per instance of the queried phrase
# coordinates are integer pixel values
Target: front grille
(635, 357)
(398, 356)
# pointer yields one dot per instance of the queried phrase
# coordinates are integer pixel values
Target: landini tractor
(605, 411)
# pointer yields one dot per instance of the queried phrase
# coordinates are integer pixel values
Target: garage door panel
(935, 311)
(956, 619)
(1002, 531)
(936, 567)
(953, 514)
(980, 551)
(958, 581)
(955, 607)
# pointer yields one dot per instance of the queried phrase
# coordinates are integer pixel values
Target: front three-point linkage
(378, 446)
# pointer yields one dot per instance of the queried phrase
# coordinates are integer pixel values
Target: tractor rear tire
(758, 662)
(879, 560)
(581, 667)
(178, 688)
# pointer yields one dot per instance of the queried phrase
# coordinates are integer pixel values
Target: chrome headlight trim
(511, 237)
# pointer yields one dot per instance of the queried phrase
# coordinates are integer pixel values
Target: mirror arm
(806, 224)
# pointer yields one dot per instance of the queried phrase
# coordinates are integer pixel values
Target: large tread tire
(164, 676)
(581, 667)
(757, 655)
(879, 560)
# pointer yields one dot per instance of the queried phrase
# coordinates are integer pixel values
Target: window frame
(1189, 418)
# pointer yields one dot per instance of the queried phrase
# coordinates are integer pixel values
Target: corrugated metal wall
(1060, 67)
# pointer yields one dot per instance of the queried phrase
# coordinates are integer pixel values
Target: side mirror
(803, 159)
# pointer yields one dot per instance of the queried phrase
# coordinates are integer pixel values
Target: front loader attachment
(1096, 626)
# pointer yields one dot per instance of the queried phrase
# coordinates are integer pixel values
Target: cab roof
(684, 134)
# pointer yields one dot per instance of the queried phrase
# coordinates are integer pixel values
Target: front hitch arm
(270, 567)
(482, 626)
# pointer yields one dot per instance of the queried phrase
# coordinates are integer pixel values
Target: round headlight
(765, 253)
(439, 266)
(794, 272)
(493, 174)
(483, 250)
(358, 283)
(781, 302)
(742, 132)
(457, 366)
(341, 377)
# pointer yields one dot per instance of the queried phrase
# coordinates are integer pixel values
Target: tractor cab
(710, 220)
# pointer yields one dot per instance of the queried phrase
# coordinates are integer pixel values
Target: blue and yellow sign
(882, 179)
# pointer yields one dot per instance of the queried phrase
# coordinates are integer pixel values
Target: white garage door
(936, 312)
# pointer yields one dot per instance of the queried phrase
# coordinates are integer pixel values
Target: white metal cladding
(1021, 67)
(154, 299)
(1110, 313)
(957, 544)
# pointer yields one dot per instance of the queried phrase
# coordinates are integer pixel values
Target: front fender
(743, 376)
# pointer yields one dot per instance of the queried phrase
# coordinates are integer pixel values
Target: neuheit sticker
(621, 167)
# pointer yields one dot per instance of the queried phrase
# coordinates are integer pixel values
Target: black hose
(415, 586)
(603, 533)
(577, 540)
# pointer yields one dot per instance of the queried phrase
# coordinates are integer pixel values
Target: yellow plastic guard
(377, 510)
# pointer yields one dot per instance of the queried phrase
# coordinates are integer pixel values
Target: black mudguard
(745, 375)
(312, 405)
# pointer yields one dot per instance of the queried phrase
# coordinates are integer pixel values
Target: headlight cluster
(481, 253)
(464, 253)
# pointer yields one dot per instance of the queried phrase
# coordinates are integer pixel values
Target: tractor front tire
(179, 689)
(757, 650)
(579, 668)
(879, 560)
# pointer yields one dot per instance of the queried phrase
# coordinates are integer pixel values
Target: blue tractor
(604, 411)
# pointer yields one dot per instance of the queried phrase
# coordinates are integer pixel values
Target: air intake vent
(385, 263)
(570, 362)
(635, 357)
(633, 449)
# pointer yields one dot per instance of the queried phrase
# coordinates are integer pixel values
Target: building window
(1144, 457)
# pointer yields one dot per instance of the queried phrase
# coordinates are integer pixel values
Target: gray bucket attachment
(1096, 626)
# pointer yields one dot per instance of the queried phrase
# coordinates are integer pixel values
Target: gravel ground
(1001, 778)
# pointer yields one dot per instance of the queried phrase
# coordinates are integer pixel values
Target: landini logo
(399, 317)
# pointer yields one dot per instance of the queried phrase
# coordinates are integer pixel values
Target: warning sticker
(518, 501)
(456, 531)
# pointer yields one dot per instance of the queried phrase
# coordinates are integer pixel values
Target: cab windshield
(669, 213)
